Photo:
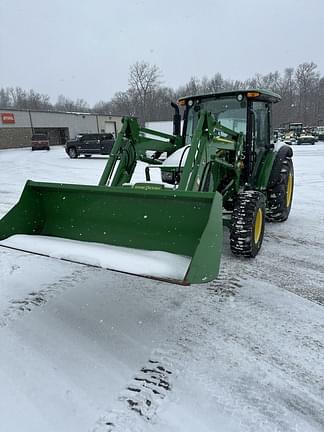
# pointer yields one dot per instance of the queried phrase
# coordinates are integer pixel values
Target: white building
(17, 126)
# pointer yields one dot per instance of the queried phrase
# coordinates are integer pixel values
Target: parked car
(89, 144)
(320, 133)
(40, 141)
(290, 139)
(306, 139)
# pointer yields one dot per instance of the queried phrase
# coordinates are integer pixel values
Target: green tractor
(222, 169)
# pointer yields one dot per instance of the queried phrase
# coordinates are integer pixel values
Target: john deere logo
(145, 186)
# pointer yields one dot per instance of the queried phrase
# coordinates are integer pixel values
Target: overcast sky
(83, 49)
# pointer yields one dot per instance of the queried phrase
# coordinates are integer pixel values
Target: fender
(284, 152)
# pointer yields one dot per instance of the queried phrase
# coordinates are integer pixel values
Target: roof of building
(8, 109)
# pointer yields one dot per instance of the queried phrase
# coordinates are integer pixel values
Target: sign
(8, 118)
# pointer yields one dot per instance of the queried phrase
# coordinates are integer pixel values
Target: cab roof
(254, 94)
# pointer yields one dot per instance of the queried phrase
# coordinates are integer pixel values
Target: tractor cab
(245, 111)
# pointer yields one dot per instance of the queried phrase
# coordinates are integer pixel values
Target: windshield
(228, 111)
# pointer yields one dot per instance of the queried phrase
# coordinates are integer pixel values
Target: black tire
(72, 152)
(247, 224)
(279, 196)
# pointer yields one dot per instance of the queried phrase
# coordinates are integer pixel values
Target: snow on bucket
(182, 231)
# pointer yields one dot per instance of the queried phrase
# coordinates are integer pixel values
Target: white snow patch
(157, 264)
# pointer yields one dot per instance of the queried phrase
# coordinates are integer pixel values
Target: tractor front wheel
(280, 194)
(247, 224)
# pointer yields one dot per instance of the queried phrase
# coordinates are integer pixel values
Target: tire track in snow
(20, 306)
(293, 241)
(140, 400)
(150, 384)
(299, 276)
(225, 286)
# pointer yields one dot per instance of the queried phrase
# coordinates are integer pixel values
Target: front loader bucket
(150, 223)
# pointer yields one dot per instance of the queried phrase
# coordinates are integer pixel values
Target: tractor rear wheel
(247, 224)
(281, 193)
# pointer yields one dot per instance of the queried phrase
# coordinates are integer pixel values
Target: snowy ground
(84, 349)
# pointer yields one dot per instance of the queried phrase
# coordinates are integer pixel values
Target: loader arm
(131, 145)
(216, 150)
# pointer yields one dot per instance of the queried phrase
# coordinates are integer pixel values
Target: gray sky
(83, 49)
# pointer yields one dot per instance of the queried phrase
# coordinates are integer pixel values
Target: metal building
(17, 126)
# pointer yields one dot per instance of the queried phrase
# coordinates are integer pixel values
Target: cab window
(261, 124)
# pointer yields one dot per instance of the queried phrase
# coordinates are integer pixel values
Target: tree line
(16, 97)
(301, 88)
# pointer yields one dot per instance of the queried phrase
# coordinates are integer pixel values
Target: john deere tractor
(223, 168)
(239, 161)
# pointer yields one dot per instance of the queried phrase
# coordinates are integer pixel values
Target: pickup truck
(90, 144)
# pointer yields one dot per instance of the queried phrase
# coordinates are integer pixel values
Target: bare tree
(302, 93)
(4, 98)
(320, 104)
(216, 83)
(192, 87)
(144, 80)
(65, 104)
(307, 78)
(16, 97)
(125, 103)
(102, 107)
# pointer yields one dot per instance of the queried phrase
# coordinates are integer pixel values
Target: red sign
(8, 118)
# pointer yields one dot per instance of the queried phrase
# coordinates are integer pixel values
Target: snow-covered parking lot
(85, 349)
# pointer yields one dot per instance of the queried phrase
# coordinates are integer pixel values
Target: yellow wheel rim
(289, 190)
(258, 226)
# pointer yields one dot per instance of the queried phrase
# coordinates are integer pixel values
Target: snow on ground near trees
(84, 349)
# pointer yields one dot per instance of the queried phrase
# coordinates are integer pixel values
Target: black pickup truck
(90, 144)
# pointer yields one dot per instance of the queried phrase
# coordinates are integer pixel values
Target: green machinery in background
(226, 171)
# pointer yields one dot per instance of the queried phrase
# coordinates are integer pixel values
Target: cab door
(260, 133)
(91, 144)
(107, 142)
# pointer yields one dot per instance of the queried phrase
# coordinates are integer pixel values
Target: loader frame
(219, 159)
